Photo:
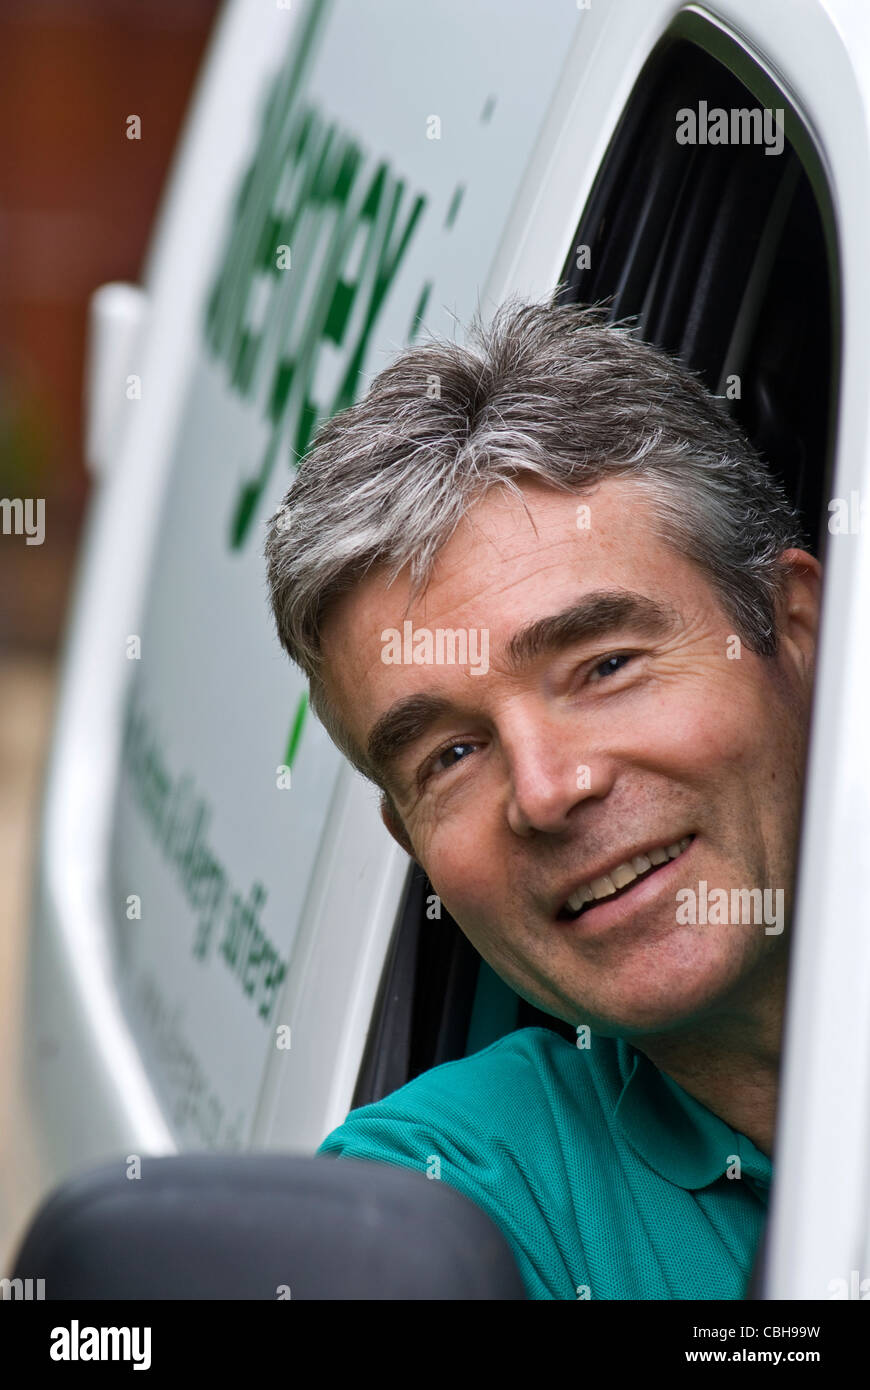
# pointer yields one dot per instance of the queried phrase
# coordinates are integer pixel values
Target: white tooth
(576, 900)
(685, 842)
(623, 874)
(641, 863)
(673, 851)
(658, 856)
(602, 887)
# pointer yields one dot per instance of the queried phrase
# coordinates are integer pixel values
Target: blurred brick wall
(77, 203)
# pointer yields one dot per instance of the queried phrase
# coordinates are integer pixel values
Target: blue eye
(445, 752)
(607, 668)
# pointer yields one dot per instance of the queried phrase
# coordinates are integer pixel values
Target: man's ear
(800, 605)
(393, 821)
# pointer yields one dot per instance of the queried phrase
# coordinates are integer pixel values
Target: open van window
(724, 254)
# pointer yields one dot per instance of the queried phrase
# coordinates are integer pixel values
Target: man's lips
(620, 877)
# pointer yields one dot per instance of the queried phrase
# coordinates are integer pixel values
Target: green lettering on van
(269, 323)
(296, 730)
(178, 819)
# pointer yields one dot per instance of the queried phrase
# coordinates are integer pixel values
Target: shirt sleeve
(443, 1146)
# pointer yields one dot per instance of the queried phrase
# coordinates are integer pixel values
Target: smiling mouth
(621, 880)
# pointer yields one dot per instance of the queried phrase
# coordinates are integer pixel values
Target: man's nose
(549, 775)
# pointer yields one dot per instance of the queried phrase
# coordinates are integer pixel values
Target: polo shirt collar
(674, 1134)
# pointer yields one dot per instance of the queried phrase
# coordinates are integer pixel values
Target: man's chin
(640, 1017)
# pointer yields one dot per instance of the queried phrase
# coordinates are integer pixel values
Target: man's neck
(731, 1062)
(741, 1088)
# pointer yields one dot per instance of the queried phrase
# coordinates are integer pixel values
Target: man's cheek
(466, 886)
(422, 826)
(707, 728)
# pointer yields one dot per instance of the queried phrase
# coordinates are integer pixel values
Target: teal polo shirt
(606, 1177)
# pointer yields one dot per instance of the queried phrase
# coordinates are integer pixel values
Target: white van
(354, 172)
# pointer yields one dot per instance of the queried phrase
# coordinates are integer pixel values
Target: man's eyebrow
(594, 616)
(402, 724)
(597, 613)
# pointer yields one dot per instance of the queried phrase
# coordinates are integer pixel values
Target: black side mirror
(263, 1226)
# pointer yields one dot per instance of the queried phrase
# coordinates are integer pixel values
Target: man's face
(616, 716)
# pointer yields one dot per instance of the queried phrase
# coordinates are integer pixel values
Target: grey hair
(544, 390)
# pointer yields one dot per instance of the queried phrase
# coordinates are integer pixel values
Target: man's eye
(607, 668)
(444, 760)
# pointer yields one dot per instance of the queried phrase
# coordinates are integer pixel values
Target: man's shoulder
(526, 1071)
(527, 1059)
(499, 1125)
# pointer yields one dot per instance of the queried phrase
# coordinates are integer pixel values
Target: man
(594, 724)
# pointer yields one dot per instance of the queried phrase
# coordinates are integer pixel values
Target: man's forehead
(535, 514)
(510, 552)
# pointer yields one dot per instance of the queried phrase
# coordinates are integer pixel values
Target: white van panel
(176, 703)
(361, 215)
